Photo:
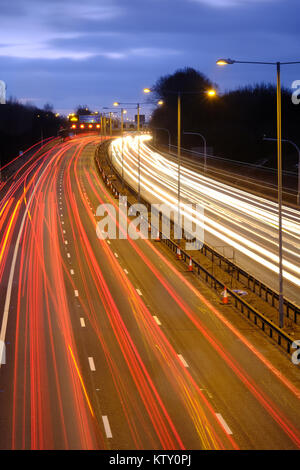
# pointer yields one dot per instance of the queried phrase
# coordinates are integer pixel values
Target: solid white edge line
(223, 423)
(107, 427)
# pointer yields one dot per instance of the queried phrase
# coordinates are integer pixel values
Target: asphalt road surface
(111, 344)
(240, 225)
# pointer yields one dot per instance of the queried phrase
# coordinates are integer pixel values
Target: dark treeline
(23, 125)
(233, 123)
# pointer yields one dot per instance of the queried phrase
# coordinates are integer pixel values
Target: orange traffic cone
(225, 296)
(191, 265)
(178, 254)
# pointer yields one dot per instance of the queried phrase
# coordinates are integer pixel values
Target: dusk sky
(70, 52)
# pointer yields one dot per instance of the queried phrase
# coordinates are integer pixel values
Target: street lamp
(298, 150)
(211, 93)
(205, 146)
(138, 106)
(169, 135)
(223, 62)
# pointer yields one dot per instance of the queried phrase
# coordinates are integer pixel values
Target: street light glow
(225, 62)
(211, 92)
(116, 103)
(147, 90)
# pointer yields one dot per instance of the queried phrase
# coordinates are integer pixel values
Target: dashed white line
(116, 255)
(66, 242)
(125, 271)
(64, 231)
(76, 293)
(92, 364)
(68, 255)
(183, 360)
(223, 423)
(82, 322)
(139, 292)
(157, 320)
(108, 242)
(72, 272)
(107, 427)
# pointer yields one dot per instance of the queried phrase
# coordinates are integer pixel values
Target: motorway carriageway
(108, 344)
(234, 221)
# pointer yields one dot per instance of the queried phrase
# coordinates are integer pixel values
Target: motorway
(238, 224)
(112, 345)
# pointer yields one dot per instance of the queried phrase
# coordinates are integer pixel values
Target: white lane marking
(76, 293)
(183, 360)
(125, 271)
(116, 255)
(82, 322)
(64, 231)
(72, 272)
(139, 292)
(62, 222)
(92, 364)
(68, 255)
(66, 242)
(107, 427)
(223, 423)
(108, 242)
(157, 320)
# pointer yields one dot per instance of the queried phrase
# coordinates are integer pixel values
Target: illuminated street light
(211, 93)
(279, 167)
(225, 62)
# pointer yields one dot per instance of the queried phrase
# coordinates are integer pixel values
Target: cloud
(232, 3)
(97, 51)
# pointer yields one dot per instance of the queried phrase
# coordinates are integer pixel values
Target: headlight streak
(153, 177)
(265, 402)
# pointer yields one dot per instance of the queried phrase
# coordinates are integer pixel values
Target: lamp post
(279, 167)
(211, 93)
(169, 135)
(298, 150)
(138, 107)
(205, 146)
